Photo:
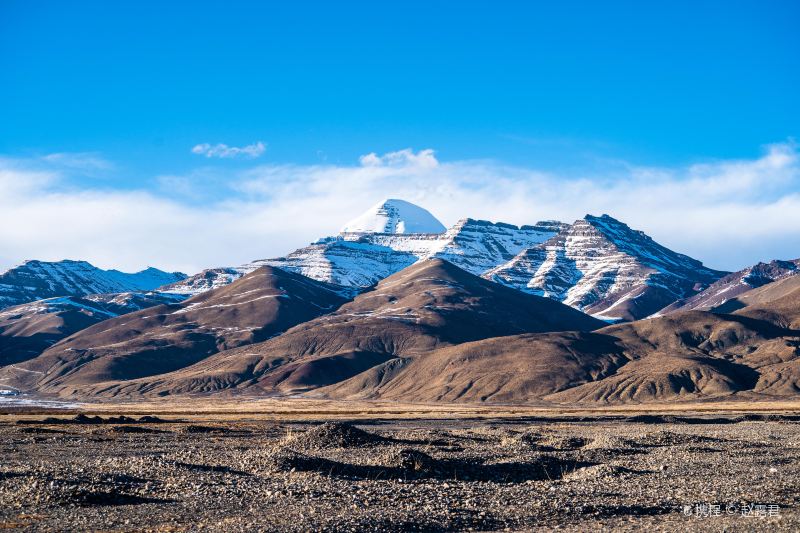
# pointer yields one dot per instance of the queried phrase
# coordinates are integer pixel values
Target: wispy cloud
(223, 151)
(85, 161)
(728, 213)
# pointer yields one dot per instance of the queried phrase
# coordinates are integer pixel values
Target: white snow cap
(394, 216)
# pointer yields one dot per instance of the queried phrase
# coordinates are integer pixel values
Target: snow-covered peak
(394, 216)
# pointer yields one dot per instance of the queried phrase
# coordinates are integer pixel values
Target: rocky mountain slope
(735, 284)
(37, 280)
(168, 337)
(605, 268)
(27, 330)
(777, 302)
(512, 369)
(696, 355)
(426, 306)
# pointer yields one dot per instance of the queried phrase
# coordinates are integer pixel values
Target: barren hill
(27, 330)
(683, 355)
(428, 305)
(168, 337)
(430, 333)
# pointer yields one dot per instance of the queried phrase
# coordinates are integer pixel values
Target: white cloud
(401, 158)
(251, 151)
(726, 213)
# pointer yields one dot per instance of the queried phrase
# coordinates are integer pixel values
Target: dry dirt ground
(296, 470)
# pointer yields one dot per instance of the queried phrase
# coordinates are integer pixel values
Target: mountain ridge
(602, 266)
(597, 264)
(480, 312)
(436, 333)
(735, 284)
(35, 280)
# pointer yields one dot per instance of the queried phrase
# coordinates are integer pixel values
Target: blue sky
(110, 98)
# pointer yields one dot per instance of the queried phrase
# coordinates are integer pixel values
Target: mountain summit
(394, 216)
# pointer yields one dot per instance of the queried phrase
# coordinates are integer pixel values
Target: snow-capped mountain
(362, 258)
(36, 280)
(394, 216)
(605, 268)
(358, 263)
(478, 245)
(127, 302)
(729, 287)
(597, 264)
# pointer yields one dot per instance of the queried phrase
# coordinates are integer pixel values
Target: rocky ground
(636, 473)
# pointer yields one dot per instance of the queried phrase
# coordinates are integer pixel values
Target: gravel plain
(655, 473)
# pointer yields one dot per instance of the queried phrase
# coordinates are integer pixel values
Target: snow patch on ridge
(603, 267)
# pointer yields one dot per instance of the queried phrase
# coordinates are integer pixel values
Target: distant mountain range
(36, 280)
(597, 264)
(397, 307)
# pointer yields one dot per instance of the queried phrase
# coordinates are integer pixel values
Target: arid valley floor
(302, 465)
